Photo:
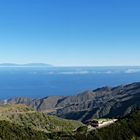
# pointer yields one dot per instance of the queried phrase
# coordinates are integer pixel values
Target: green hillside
(22, 123)
(127, 128)
(22, 115)
(10, 131)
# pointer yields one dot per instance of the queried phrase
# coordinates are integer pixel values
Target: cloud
(132, 71)
(74, 72)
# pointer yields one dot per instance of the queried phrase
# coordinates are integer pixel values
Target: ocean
(38, 82)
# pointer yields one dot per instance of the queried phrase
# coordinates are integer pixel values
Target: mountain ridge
(102, 102)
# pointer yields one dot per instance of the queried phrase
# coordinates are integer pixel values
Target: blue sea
(37, 82)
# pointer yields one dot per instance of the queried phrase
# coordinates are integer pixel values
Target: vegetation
(10, 131)
(22, 115)
(127, 128)
(30, 125)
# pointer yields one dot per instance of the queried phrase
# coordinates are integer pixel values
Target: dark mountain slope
(111, 109)
(38, 104)
(102, 102)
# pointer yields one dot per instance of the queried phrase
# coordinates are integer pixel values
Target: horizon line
(40, 63)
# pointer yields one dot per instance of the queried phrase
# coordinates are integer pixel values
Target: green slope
(127, 128)
(22, 115)
(22, 123)
(10, 131)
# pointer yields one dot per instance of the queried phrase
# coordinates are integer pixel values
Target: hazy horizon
(43, 64)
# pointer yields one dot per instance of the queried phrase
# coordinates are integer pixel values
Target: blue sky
(70, 32)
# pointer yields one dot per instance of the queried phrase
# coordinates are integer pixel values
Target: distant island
(25, 65)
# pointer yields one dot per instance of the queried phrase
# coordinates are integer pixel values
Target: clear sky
(70, 32)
